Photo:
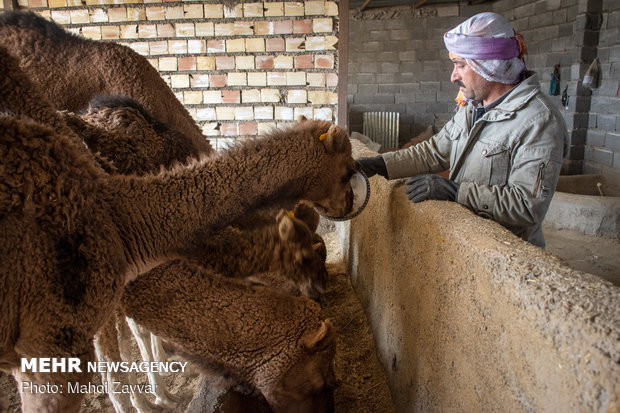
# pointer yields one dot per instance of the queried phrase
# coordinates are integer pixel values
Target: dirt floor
(362, 385)
(594, 255)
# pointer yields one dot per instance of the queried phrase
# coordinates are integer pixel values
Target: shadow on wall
(466, 316)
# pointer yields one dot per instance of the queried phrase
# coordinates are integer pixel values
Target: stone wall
(467, 317)
(239, 71)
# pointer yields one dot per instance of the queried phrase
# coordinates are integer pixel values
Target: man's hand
(423, 187)
(372, 166)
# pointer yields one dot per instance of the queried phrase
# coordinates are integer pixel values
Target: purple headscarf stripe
(481, 48)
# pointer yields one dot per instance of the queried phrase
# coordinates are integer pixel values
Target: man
(503, 147)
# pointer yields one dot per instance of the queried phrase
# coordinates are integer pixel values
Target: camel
(286, 355)
(70, 70)
(284, 250)
(280, 253)
(125, 133)
(72, 236)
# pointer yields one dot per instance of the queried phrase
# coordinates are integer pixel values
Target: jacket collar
(521, 94)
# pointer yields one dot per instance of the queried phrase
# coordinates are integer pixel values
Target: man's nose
(454, 76)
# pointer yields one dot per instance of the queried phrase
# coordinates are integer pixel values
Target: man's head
(487, 56)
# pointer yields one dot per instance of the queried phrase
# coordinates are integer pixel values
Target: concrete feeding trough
(466, 316)
(588, 204)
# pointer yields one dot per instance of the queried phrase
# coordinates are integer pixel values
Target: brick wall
(239, 71)
(602, 150)
(573, 33)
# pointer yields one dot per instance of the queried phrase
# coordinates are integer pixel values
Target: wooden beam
(419, 3)
(342, 111)
(9, 4)
(363, 6)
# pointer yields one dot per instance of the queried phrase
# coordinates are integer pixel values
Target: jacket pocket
(539, 186)
(497, 160)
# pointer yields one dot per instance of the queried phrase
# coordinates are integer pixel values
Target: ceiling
(368, 4)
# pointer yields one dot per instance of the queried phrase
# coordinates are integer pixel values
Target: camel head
(308, 386)
(302, 263)
(331, 192)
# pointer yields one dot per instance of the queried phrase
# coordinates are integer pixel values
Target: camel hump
(99, 102)
(33, 22)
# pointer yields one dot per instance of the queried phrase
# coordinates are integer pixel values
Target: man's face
(471, 83)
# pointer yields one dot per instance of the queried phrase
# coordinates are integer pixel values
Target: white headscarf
(490, 47)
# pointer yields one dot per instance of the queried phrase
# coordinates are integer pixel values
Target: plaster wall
(467, 317)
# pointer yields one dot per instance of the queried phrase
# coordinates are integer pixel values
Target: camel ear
(315, 339)
(302, 119)
(307, 215)
(286, 226)
(334, 142)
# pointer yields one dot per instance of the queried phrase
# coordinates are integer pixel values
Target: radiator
(382, 127)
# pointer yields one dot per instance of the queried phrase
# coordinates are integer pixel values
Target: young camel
(284, 251)
(70, 70)
(282, 255)
(72, 236)
(286, 355)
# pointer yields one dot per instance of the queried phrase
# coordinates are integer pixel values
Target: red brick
(304, 61)
(274, 45)
(264, 62)
(302, 26)
(216, 46)
(331, 80)
(186, 63)
(231, 96)
(217, 80)
(248, 128)
(224, 62)
(283, 27)
(324, 62)
(228, 129)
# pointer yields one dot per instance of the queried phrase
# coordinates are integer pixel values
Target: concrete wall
(467, 317)
(397, 62)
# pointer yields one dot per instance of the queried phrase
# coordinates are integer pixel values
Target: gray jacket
(507, 163)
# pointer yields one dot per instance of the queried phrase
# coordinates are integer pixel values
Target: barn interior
(437, 309)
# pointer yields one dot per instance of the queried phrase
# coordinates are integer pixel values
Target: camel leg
(159, 354)
(107, 348)
(138, 399)
(147, 350)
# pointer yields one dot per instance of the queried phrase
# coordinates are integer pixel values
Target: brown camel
(72, 236)
(70, 70)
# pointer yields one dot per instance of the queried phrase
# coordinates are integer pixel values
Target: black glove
(423, 187)
(372, 166)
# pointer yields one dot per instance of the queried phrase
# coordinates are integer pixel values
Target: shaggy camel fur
(72, 236)
(286, 355)
(70, 70)
(278, 254)
(123, 132)
(284, 249)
